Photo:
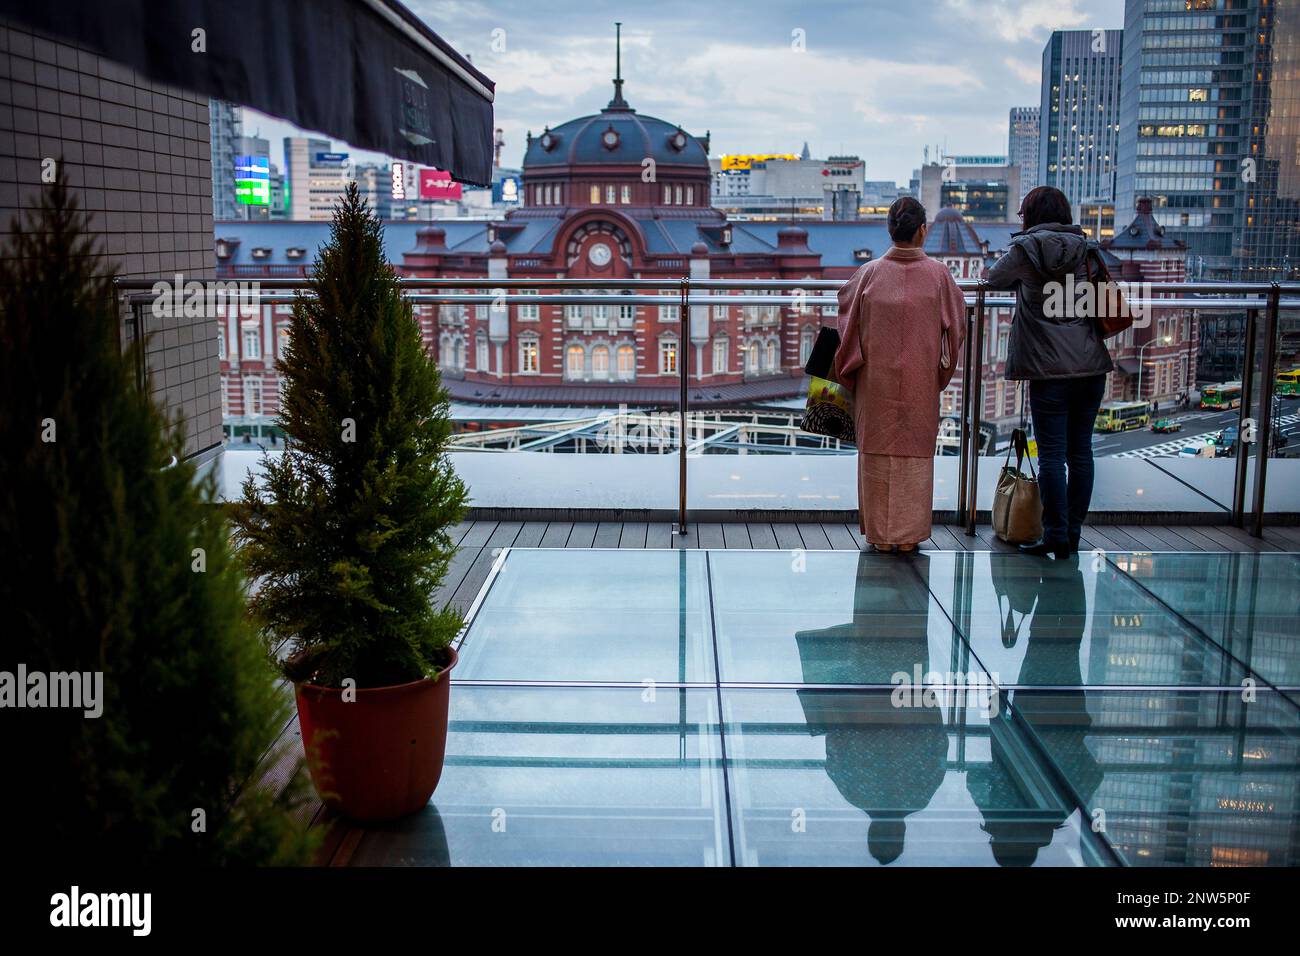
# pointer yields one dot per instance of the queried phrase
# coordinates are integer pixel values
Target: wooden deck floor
(480, 543)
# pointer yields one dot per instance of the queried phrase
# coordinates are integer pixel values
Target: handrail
(1274, 297)
(809, 302)
(674, 283)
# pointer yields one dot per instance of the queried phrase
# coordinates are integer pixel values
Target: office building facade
(1022, 145)
(1210, 117)
(1080, 113)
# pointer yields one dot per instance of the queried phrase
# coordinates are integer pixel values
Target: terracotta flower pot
(379, 756)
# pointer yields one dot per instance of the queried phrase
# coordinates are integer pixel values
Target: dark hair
(906, 215)
(1045, 204)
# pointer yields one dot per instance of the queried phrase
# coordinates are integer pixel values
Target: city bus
(1287, 384)
(1220, 397)
(1121, 416)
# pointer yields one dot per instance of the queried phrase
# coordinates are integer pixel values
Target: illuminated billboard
(253, 180)
(436, 184)
(745, 161)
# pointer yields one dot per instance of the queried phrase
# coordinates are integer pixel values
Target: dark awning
(1129, 366)
(368, 72)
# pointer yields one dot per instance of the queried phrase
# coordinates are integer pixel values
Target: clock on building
(610, 138)
(599, 254)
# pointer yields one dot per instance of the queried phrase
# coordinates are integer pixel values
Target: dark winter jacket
(1064, 346)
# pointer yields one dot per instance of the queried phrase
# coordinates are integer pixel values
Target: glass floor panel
(1178, 778)
(1072, 624)
(1117, 733)
(593, 616)
(828, 617)
(846, 778)
(1246, 603)
(551, 776)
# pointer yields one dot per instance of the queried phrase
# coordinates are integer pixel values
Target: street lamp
(1165, 340)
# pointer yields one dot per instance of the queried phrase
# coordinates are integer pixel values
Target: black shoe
(1041, 549)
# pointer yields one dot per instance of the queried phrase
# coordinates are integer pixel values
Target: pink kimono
(902, 322)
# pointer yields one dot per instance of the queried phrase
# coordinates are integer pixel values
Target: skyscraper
(316, 177)
(1022, 145)
(1080, 113)
(1210, 127)
(227, 121)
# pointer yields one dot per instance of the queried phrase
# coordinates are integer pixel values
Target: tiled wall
(138, 156)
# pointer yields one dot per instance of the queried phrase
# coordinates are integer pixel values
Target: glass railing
(650, 451)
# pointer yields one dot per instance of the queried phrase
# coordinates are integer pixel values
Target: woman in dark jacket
(1061, 355)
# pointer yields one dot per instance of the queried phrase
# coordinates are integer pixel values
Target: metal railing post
(683, 371)
(977, 408)
(1247, 399)
(1264, 431)
(963, 432)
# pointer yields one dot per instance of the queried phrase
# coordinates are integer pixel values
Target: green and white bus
(1221, 397)
(1122, 416)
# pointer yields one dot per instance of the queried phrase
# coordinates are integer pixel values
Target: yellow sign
(745, 161)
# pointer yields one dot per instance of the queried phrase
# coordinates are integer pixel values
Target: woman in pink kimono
(902, 322)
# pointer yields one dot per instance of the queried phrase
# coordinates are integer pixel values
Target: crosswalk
(1171, 448)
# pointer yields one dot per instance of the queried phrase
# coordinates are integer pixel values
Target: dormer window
(726, 235)
(295, 252)
(862, 255)
(261, 252)
(223, 249)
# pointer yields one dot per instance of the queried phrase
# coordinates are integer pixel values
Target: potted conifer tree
(117, 573)
(348, 537)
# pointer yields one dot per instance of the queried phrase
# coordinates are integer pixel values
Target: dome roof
(951, 235)
(615, 135)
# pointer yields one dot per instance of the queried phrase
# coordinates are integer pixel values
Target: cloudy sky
(881, 79)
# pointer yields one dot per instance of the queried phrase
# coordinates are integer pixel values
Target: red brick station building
(612, 195)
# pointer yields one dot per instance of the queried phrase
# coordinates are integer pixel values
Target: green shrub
(348, 538)
(99, 575)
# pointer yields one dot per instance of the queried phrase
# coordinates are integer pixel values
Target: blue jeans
(1065, 411)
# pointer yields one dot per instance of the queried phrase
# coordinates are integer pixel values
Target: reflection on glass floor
(828, 708)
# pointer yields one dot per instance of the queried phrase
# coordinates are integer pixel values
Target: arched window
(770, 356)
(481, 352)
(626, 362)
(720, 348)
(595, 195)
(575, 361)
(668, 356)
(668, 194)
(600, 362)
(753, 356)
(805, 345)
(529, 355)
(609, 194)
(690, 195)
